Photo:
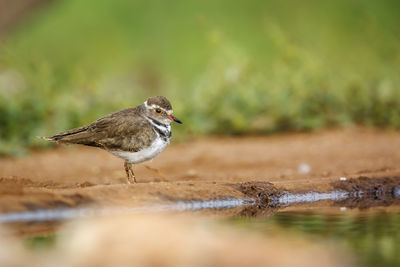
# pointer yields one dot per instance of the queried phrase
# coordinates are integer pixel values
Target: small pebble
(192, 173)
(304, 168)
(343, 178)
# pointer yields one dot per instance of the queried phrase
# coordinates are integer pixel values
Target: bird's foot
(131, 179)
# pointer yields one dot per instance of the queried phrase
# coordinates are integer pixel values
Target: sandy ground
(203, 169)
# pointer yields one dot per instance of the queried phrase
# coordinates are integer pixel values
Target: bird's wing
(122, 130)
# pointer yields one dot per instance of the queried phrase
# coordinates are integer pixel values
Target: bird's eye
(158, 111)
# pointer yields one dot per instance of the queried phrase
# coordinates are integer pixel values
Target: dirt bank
(211, 168)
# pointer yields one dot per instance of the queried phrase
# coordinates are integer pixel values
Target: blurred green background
(228, 67)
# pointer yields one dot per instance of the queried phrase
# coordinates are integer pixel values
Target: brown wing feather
(122, 130)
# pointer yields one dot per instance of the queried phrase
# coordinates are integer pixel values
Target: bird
(135, 134)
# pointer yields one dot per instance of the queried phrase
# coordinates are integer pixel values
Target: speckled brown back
(123, 130)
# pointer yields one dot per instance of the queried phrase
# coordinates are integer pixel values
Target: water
(285, 199)
(308, 197)
(77, 213)
(365, 225)
(373, 236)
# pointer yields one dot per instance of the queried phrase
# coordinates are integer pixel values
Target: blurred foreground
(166, 240)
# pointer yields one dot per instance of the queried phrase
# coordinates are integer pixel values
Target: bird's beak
(172, 118)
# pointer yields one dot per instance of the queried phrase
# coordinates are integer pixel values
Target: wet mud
(370, 192)
(379, 187)
(262, 192)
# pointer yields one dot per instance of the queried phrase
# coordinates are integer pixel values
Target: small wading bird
(134, 134)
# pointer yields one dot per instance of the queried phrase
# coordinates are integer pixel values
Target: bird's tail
(47, 138)
(70, 136)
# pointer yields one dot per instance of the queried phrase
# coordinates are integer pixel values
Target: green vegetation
(229, 67)
(39, 243)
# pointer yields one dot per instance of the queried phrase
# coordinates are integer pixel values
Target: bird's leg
(126, 169)
(129, 173)
(133, 175)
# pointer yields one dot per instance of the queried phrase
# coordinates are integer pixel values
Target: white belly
(147, 153)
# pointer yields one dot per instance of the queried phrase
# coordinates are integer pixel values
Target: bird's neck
(161, 129)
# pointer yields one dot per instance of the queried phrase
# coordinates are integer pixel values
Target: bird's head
(160, 109)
